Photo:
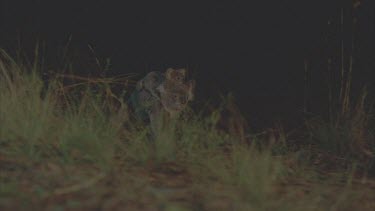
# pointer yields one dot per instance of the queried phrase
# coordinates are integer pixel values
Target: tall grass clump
(347, 136)
(348, 131)
(344, 135)
(39, 122)
(89, 134)
(25, 117)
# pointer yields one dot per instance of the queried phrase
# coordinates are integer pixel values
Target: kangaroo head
(174, 97)
(176, 75)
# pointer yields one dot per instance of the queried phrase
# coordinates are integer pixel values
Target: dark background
(256, 49)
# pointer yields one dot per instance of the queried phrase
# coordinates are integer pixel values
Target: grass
(76, 146)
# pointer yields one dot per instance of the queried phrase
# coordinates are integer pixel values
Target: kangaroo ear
(169, 73)
(191, 86)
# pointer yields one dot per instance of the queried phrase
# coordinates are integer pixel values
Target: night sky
(255, 49)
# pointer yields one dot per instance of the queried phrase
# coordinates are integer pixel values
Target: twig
(78, 187)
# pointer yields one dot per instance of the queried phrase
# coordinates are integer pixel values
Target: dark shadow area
(259, 51)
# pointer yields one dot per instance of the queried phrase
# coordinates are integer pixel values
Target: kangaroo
(160, 96)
